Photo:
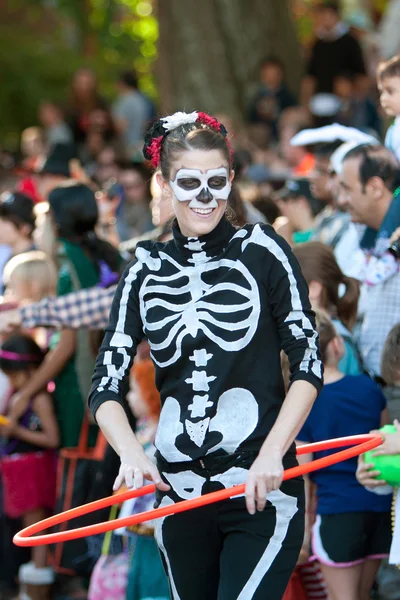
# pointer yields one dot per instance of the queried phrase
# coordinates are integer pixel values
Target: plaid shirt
(382, 312)
(89, 308)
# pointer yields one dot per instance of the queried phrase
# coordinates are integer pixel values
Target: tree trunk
(209, 51)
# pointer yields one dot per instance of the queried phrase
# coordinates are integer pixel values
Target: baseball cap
(294, 188)
(17, 206)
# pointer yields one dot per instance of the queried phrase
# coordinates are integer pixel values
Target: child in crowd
(332, 291)
(388, 78)
(27, 457)
(29, 277)
(366, 475)
(299, 209)
(273, 95)
(83, 261)
(352, 529)
(17, 222)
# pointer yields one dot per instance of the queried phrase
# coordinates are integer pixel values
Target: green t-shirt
(76, 271)
(301, 237)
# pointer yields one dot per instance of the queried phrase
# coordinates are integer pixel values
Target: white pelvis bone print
(183, 304)
(235, 420)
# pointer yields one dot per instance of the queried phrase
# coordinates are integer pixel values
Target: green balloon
(389, 466)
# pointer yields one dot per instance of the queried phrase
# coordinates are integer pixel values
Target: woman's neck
(332, 374)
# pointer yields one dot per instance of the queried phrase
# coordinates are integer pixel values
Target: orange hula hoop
(28, 537)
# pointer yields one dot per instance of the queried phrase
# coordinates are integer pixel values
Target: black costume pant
(220, 551)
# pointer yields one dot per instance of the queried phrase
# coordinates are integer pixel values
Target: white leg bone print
(158, 534)
(286, 508)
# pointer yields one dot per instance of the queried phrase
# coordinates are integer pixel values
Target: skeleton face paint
(191, 185)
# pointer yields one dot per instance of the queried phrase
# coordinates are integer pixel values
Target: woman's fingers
(118, 481)
(261, 493)
(134, 476)
(251, 493)
(156, 478)
(137, 478)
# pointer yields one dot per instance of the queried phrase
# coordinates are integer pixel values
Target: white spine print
(183, 304)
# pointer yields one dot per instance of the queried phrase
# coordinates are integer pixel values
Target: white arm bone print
(170, 322)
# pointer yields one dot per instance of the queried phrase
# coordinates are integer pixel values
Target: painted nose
(204, 196)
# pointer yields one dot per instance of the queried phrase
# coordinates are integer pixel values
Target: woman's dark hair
(318, 263)
(30, 354)
(74, 211)
(235, 211)
(326, 333)
(189, 136)
(376, 161)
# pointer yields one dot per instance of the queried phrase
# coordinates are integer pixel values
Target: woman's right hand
(135, 467)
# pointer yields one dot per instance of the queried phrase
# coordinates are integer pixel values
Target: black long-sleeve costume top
(216, 311)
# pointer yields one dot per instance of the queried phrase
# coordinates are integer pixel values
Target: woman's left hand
(265, 475)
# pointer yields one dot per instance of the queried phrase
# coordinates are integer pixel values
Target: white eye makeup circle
(189, 183)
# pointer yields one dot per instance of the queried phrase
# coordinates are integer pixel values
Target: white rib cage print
(177, 310)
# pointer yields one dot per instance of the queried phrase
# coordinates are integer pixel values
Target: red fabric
(306, 166)
(28, 186)
(295, 590)
(29, 482)
(313, 581)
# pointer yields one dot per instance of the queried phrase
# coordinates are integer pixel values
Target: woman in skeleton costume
(217, 304)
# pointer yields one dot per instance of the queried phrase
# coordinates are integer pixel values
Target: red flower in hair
(205, 119)
(154, 150)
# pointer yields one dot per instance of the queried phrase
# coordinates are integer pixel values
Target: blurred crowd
(321, 168)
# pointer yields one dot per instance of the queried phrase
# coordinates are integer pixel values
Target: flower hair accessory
(178, 119)
(156, 135)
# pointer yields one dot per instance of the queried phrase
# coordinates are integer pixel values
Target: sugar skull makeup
(191, 185)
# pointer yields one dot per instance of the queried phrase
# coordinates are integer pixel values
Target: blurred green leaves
(42, 42)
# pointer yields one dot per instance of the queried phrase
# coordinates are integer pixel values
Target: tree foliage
(42, 42)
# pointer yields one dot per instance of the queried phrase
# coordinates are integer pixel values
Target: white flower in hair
(177, 119)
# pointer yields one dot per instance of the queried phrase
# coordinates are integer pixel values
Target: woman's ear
(314, 291)
(232, 176)
(164, 185)
(337, 346)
